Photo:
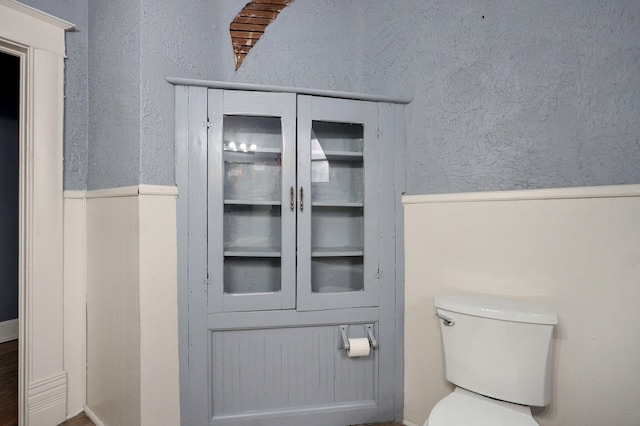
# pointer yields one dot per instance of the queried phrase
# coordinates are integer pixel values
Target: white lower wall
(113, 308)
(75, 300)
(575, 249)
(132, 317)
(159, 375)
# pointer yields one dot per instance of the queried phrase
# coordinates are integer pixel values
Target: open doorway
(9, 235)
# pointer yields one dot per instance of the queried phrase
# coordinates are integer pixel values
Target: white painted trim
(158, 190)
(9, 330)
(35, 13)
(47, 400)
(75, 194)
(72, 414)
(131, 191)
(529, 194)
(280, 89)
(92, 416)
(75, 290)
(125, 191)
(30, 28)
(39, 40)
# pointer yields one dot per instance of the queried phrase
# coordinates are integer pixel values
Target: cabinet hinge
(380, 274)
(207, 124)
(378, 132)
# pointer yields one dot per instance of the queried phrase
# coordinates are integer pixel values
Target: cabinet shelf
(250, 151)
(252, 252)
(233, 202)
(245, 156)
(337, 155)
(337, 204)
(337, 251)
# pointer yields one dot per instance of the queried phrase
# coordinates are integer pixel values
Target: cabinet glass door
(337, 207)
(335, 268)
(252, 153)
(251, 149)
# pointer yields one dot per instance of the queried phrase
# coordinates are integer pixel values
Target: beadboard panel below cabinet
(274, 371)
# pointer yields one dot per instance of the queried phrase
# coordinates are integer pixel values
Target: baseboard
(8, 330)
(47, 400)
(92, 416)
(408, 423)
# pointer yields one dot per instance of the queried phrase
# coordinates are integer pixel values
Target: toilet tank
(497, 347)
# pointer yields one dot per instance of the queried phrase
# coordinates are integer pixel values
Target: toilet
(497, 353)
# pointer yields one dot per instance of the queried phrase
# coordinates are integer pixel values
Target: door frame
(38, 40)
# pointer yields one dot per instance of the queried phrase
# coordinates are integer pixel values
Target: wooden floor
(9, 391)
(9, 383)
(79, 420)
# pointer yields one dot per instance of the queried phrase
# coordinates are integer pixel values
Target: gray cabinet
(289, 229)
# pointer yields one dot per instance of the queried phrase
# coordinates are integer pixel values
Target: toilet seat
(465, 408)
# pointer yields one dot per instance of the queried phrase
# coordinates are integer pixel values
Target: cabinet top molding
(266, 88)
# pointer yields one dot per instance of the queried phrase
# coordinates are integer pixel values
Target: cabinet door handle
(291, 199)
(301, 198)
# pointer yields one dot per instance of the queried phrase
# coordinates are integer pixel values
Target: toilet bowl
(465, 408)
(498, 354)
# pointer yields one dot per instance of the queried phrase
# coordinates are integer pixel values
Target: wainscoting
(574, 249)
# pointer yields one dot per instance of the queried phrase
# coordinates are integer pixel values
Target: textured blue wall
(513, 94)
(114, 94)
(508, 94)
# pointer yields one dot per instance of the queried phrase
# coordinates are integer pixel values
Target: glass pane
(252, 227)
(339, 274)
(252, 158)
(337, 214)
(336, 163)
(343, 184)
(337, 228)
(251, 275)
(244, 133)
(255, 180)
(340, 137)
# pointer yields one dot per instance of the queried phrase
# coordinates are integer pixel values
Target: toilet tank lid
(497, 308)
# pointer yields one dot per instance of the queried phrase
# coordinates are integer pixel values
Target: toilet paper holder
(344, 336)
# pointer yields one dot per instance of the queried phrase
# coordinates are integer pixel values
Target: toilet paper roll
(358, 347)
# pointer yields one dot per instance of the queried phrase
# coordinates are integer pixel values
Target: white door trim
(38, 39)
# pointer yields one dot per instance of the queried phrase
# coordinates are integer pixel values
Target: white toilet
(498, 354)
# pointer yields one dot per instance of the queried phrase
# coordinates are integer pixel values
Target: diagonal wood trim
(251, 22)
